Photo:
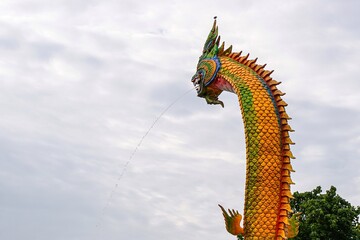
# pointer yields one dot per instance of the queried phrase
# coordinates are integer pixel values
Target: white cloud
(82, 82)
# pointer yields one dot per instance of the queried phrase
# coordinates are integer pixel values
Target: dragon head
(207, 69)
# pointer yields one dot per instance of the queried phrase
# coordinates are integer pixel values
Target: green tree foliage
(325, 216)
(239, 237)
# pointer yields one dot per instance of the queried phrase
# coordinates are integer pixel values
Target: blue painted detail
(218, 66)
(209, 45)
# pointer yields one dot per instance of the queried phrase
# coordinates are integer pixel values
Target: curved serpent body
(267, 189)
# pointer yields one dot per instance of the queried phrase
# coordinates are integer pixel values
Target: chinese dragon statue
(267, 191)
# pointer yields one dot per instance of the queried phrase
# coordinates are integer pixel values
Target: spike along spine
(268, 154)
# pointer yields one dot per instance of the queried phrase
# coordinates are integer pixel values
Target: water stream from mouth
(125, 166)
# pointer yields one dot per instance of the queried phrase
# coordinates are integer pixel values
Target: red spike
(244, 58)
(285, 172)
(288, 141)
(267, 74)
(284, 199)
(273, 82)
(283, 213)
(288, 167)
(284, 121)
(285, 134)
(286, 147)
(252, 62)
(282, 103)
(259, 67)
(278, 92)
(289, 154)
(237, 55)
(285, 186)
(228, 50)
(286, 159)
(218, 41)
(260, 72)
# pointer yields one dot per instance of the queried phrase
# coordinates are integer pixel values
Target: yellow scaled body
(267, 188)
(267, 175)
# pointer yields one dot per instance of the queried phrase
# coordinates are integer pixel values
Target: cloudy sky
(82, 81)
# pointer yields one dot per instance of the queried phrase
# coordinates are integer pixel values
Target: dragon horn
(211, 39)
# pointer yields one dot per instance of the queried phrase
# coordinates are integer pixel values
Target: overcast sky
(82, 81)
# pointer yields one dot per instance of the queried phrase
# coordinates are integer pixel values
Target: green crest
(212, 43)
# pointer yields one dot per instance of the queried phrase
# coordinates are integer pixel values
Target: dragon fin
(232, 221)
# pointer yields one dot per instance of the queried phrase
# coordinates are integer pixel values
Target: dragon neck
(268, 154)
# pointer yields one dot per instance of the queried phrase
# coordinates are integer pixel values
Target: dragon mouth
(196, 81)
(197, 87)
